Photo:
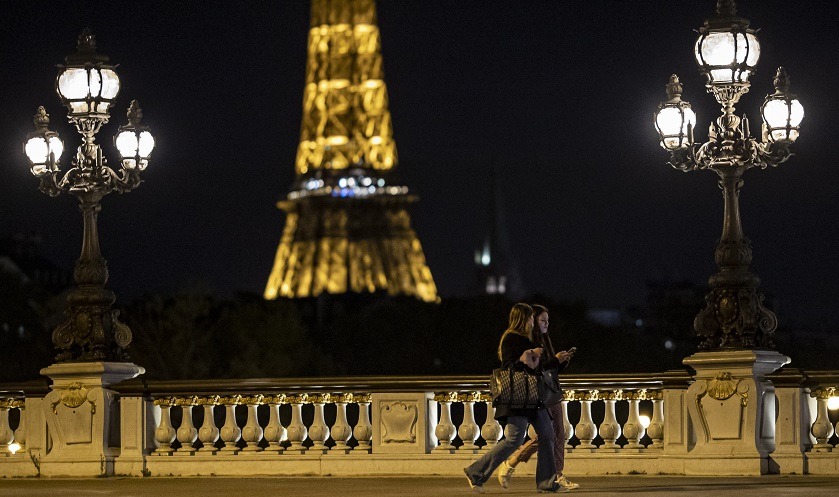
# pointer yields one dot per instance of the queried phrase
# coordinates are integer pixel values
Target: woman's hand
(531, 357)
(565, 355)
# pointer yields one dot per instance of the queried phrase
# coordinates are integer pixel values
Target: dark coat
(513, 346)
(548, 359)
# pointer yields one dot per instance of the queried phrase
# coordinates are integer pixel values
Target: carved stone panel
(401, 424)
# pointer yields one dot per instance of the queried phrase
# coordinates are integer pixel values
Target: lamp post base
(79, 416)
(732, 409)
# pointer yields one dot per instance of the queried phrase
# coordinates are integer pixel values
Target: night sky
(556, 96)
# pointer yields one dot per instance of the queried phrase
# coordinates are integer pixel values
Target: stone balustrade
(263, 429)
(404, 425)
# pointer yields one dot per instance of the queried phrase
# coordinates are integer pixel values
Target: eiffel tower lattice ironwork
(347, 223)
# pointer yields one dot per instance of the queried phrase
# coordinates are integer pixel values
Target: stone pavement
(634, 486)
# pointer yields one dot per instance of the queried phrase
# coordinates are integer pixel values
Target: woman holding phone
(557, 360)
(518, 348)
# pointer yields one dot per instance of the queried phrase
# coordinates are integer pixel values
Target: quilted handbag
(516, 388)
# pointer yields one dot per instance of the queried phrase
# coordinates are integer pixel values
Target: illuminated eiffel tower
(347, 225)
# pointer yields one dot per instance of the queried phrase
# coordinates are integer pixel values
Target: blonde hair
(520, 316)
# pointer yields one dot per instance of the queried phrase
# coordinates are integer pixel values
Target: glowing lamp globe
(43, 147)
(782, 113)
(675, 120)
(134, 141)
(87, 85)
(726, 51)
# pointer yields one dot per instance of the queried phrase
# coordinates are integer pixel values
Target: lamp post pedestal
(732, 411)
(91, 330)
(734, 315)
(81, 417)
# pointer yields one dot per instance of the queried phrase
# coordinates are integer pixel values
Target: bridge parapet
(615, 424)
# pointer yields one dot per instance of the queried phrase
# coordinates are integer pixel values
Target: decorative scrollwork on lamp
(727, 52)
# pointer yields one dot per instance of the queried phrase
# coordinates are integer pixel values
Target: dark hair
(537, 337)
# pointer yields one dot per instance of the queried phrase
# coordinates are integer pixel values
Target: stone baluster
(319, 432)
(610, 430)
(20, 432)
(491, 429)
(567, 396)
(586, 429)
(296, 431)
(363, 431)
(341, 430)
(187, 433)
(252, 432)
(445, 430)
(230, 431)
(633, 430)
(469, 430)
(208, 433)
(7, 436)
(822, 429)
(164, 433)
(656, 428)
(275, 432)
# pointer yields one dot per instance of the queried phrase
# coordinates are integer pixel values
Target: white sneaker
(475, 488)
(567, 485)
(505, 473)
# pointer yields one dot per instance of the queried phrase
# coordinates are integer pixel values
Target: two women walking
(523, 349)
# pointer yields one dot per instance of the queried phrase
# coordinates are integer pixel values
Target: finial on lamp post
(726, 8)
(135, 113)
(781, 81)
(673, 88)
(86, 41)
(42, 119)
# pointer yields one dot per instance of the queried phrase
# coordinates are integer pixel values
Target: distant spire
(495, 269)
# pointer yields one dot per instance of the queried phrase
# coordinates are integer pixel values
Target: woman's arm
(518, 350)
(531, 357)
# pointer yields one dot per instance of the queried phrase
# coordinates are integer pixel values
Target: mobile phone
(572, 350)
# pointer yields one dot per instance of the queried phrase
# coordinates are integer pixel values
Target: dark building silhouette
(20, 256)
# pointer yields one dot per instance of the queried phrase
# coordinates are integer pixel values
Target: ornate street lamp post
(727, 52)
(87, 85)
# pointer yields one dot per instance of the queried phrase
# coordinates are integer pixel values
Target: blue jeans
(481, 470)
